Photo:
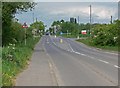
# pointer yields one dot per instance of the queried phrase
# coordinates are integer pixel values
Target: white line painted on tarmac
(111, 53)
(116, 66)
(80, 53)
(71, 48)
(77, 52)
(54, 43)
(104, 61)
(88, 55)
(83, 54)
(98, 49)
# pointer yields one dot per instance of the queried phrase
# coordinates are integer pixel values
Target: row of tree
(106, 34)
(100, 34)
(12, 31)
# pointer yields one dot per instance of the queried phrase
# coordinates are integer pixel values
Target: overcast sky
(53, 11)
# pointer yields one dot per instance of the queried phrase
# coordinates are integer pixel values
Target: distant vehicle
(47, 34)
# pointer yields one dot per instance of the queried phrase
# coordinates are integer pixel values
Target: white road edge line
(87, 55)
(77, 52)
(104, 61)
(116, 66)
(80, 53)
(54, 43)
(71, 48)
(111, 53)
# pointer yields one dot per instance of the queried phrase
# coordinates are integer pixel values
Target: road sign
(84, 32)
(24, 25)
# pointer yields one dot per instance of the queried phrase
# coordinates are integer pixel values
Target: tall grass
(14, 59)
(105, 47)
(0, 66)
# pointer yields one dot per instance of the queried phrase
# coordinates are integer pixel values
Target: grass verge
(14, 59)
(89, 43)
(0, 66)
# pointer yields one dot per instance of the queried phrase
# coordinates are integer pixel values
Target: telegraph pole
(78, 19)
(33, 17)
(119, 10)
(90, 20)
(78, 28)
(111, 20)
(36, 19)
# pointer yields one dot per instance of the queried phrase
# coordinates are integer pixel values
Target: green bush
(105, 34)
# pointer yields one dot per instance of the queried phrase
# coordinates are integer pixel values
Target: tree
(9, 9)
(39, 26)
(62, 21)
(106, 34)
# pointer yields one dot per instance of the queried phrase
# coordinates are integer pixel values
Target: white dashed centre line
(87, 55)
(71, 48)
(104, 61)
(116, 66)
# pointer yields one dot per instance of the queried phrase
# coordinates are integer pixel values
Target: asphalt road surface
(75, 64)
(78, 65)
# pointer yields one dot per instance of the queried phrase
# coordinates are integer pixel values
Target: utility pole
(119, 10)
(111, 20)
(90, 20)
(78, 28)
(78, 19)
(36, 19)
(33, 17)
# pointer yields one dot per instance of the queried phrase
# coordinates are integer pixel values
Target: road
(70, 64)
(76, 64)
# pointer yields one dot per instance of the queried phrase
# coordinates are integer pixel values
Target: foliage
(14, 59)
(65, 27)
(0, 66)
(89, 43)
(39, 26)
(17, 33)
(11, 8)
(100, 34)
(105, 34)
(8, 11)
(16, 55)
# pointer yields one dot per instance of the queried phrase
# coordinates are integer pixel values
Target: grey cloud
(50, 11)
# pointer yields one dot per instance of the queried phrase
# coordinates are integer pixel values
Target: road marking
(80, 53)
(71, 48)
(77, 52)
(104, 61)
(111, 53)
(116, 66)
(90, 57)
(87, 55)
(54, 43)
(99, 50)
